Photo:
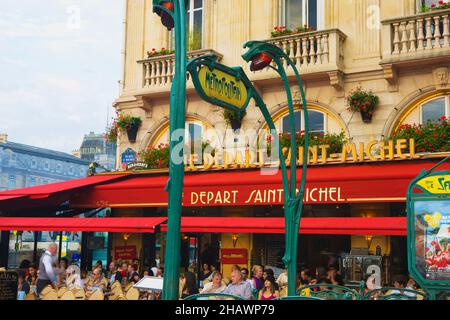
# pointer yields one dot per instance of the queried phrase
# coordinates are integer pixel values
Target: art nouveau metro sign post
(428, 206)
(231, 89)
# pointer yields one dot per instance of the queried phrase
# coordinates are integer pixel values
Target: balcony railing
(425, 35)
(312, 52)
(158, 72)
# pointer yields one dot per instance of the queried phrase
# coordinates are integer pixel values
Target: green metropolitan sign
(428, 204)
(220, 85)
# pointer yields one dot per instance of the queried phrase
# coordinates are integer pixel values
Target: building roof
(41, 152)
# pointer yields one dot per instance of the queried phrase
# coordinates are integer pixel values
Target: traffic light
(166, 18)
(260, 61)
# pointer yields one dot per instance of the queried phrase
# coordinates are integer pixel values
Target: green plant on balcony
(124, 123)
(305, 28)
(280, 31)
(363, 101)
(283, 31)
(440, 5)
(430, 137)
(162, 52)
(234, 118)
(335, 141)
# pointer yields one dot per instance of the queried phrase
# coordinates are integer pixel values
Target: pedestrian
(206, 272)
(282, 282)
(23, 284)
(238, 287)
(114, 274)
(268, 292)
(334, 276)
(46, 272)
(305, 277)
(73, 279)
(257, 280)
(188, 284)
(32, 275)
(216, 285)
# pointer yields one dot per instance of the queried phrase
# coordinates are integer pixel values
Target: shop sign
(233, 256)
(428, 203)
(217, 84)
(125, 253)
(137, 166)
(351, 153)
(220, 85)
(129, 156)
(9, 281)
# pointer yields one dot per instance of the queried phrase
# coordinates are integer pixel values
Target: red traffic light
(260, 61)
(166, 19)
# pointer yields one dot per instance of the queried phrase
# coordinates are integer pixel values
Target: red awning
(130, 225)
(393, 226)
(52, 194)
(334, 184)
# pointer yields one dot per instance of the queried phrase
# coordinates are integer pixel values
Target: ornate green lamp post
(261, 54)
(173, 15)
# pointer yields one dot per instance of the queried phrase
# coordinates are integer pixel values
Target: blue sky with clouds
(60, 63)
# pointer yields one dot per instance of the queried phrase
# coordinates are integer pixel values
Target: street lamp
(261, 54)
(173, 15)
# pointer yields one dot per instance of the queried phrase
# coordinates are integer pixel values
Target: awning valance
(53, 194)
(357, 183)
(130, 225)
(394, 226)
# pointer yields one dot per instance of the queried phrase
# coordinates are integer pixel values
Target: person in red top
(268, 292)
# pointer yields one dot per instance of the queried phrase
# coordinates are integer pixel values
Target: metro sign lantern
(166, 18)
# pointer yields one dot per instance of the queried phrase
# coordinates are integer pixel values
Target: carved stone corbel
(441, 77)
(337, 82)
(390, 75)
(145, 104)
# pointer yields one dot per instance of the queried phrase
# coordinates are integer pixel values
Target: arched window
(195, 131)
(316, 122)
(434, 110)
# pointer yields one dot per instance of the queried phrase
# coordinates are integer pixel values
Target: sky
(60, 63)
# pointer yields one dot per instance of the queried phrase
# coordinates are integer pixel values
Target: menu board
(9, 280)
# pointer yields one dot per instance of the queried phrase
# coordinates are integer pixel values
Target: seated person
(97, 282)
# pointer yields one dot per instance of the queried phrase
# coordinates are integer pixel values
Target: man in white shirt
(46, 272)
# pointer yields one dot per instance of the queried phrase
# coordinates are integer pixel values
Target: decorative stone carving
(441, 77)
(337, 82)
(390, 75)
(133, 103)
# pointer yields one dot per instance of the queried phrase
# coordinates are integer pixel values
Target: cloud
(58, 82)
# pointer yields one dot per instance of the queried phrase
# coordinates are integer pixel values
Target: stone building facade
(388, 47)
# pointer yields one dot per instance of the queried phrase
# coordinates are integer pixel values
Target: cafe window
(435, 109)
(316, 122)
(297, 13)
(194, 26)
(21, 248)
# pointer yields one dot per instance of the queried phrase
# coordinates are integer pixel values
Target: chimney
(3, 138)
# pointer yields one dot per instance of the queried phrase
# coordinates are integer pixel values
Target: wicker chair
(50, 295)
(30, 296)
(132, 294)
(61, 291)
(97, 295)
(68, 295)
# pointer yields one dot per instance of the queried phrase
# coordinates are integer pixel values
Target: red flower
(433, 5)
(441, 2)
